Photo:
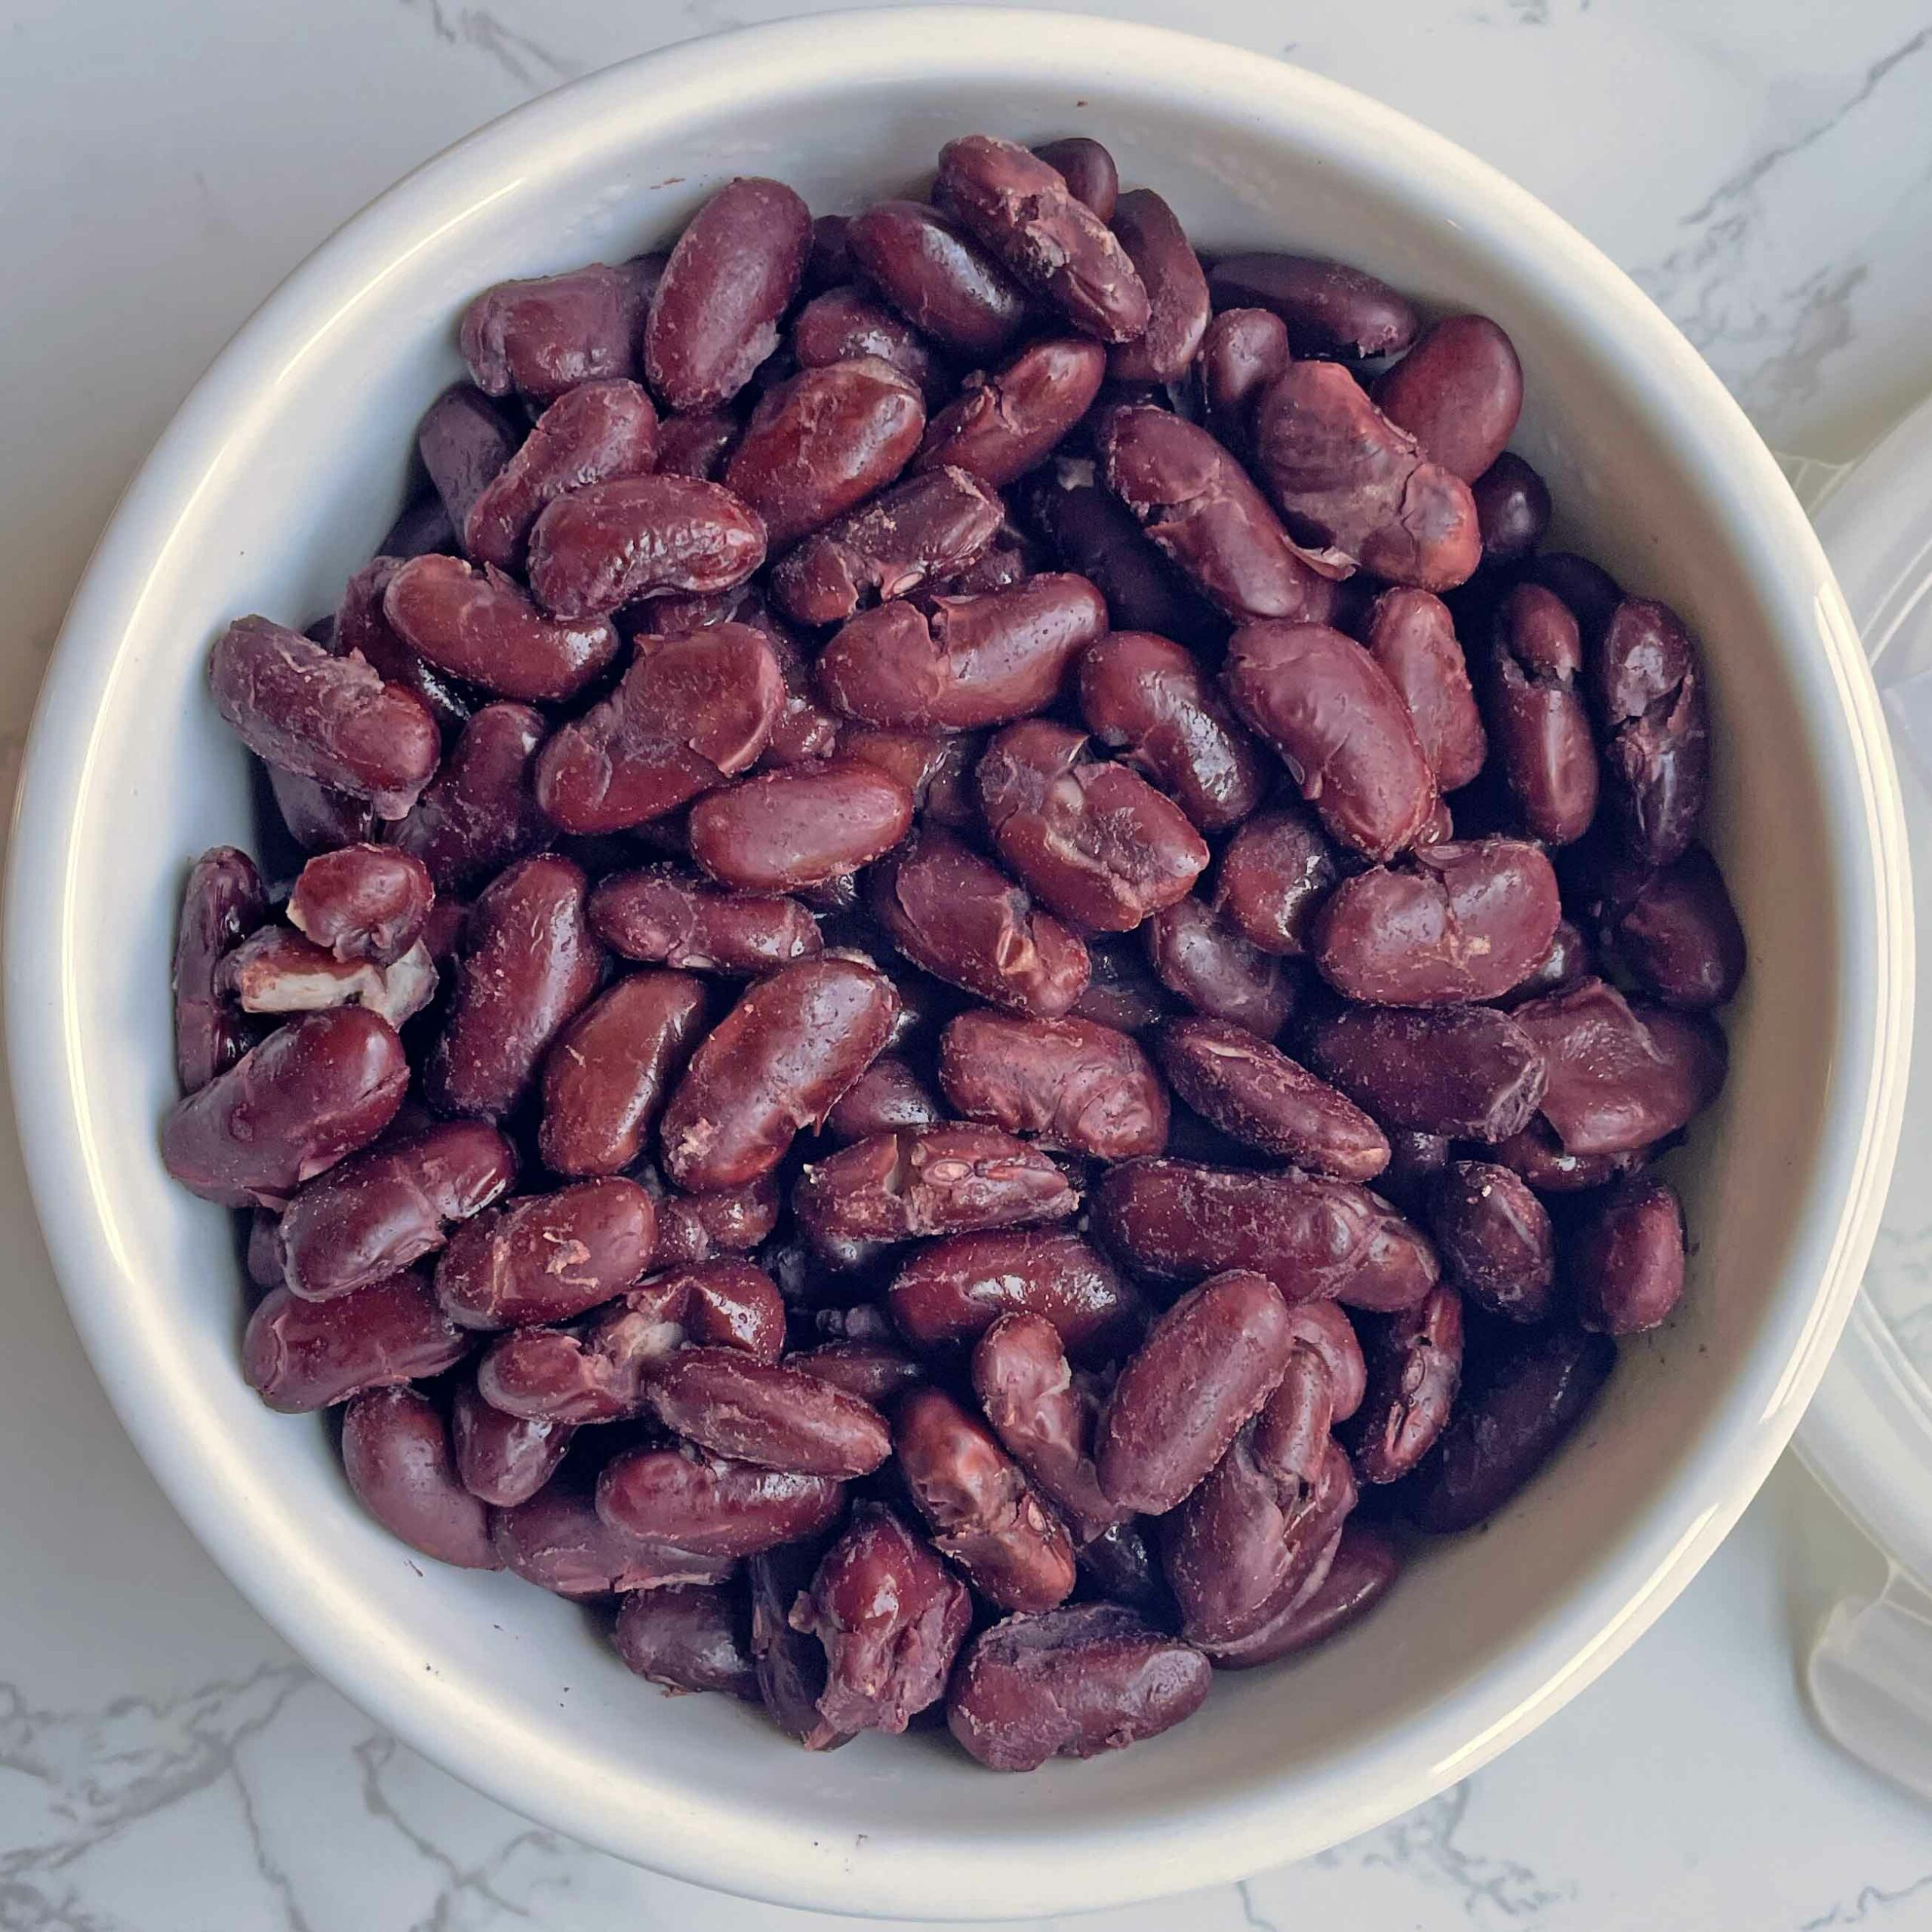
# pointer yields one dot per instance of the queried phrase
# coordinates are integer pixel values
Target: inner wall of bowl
(304, 490)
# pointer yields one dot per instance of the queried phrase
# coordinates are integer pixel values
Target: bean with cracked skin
(1365, 1563)
(789, 1665)
(766, 1413)
(688, 1637)
(1243, 351)
(1536, 718)
(223, 902)
(711, 1506)
(1470, 1072)
(1458, 391)
(1415, 1368)
(1088, 169)
(1325, 1331)
(938, 278)
(889, 1094)
(1201, 957)
(1007, 421)
(502, 1460)
(545, 1257)
(844, 321)
(362, 901)
(1412, 636)
(557, 1541)
(1177, 288)
(546, 335)
(275, 970)
(1673, 926)
(1626, 1260)
(479, 813)
(802, 826)
(1274, 875)
(362, 625)
(299, 1355)
(720, 1222)
(1495, 1238)
(950, 1292)
(395, 1452)
(1648, 688)
(665, 916)
(1329, 308)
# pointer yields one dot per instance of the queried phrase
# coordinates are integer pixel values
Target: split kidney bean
(1451, 924)
(844, 322)
(666, 917)
(557, 1541)
(223, 902)
(1458, 391)
(1067, 1083)
(1536, 718)
(275, 970)
(1021, 209)
(1364, 1564)
(921, 530)
(1412, 637)
(710, 1505)
(500, 1459)
(766, 1413)
(888, 1095)
(777, 1063)
(395, 1452)
(961, 662)
(1356, 491)
(1342, 729)
(1415, 1367)
(331, 719)
(529, 964)
(312, 1093)
(729, 1303)
(1256, 1092)
(1325, 1330)
(1626, 1261)
(1495, 1238)
(714, 318)
(1094, 840)
(688, 1637)
(1088, 169)
(821, 441)
(590, 434)
(633, 537)
(951, 1291)
(1649, 691)
(1201, 958)
(789, 1664)
(965, 922)
(362, 901)
(299, 1355)
(570, 1377)
(1005, 423)
(1512, 510)
(1199, 508)
(942, 282)
(1469, 1072)
(1620, 1077)
(1504, 1433)
(1177, 305)
(479, 813)
(546, 1257)
(464, 439)
(542, 337)
(1676, 928)
(604, 1079)
(890, 1616)
(1329, 308)
(983, 1515)
(373, 1214)
(1275, 873)
(803, 826)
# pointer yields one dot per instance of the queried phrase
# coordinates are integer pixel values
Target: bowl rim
(1275, 1819)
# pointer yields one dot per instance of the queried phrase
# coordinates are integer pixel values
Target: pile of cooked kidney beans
(982, 968)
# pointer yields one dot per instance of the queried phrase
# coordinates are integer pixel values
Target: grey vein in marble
(1870, 1900)
(520, 57)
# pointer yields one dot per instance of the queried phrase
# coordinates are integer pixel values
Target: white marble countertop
(165, 1765)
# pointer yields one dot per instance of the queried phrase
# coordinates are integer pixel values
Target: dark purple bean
(317, 819)
(844, 322)
(479, 813)
(1177, 291)
(362, 901)
(767, 1414)
(1199, 955)
(697, 1228)
(1626, 1261)
(1512, 510)
(688, 1637)
(1275, 873)
(1364, 1564)
(1415, 1367)
(362, 628)
(1495, 1239)
(545, 1257)
(1087, 168)
(943, 283)
(1414, 1160)
(888, 1095)
(951, 1291)
(804, 826)
(504, 1459)
(1412, 636)
(464, 440)
(1122, 991)
(423, 525)
(698, 445)
(711, 1506)
(1648, 688)
(664, 916)
(223, 902)
(395, 1452)
(299, 1355)
(1243, 351)
(1469, 1072)
(1005, 423)
(557, 1541)
(790, 1665)
(1331, 308)
(1536, 718)
(542, 337)
(1675, 929)
(1541, 1159)
(1458, 391)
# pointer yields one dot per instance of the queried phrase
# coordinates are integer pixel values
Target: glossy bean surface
(395, 1452)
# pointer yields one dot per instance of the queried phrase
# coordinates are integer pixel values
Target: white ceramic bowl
(277, 478)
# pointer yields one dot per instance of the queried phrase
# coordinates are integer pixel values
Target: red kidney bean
(1541, 1159)
(697, 445)
(605, 1077)
(1364, 1564)
(729, 1303)
(313, 1092)
(790, 1666)
(1144, 694)
(1453, 923)
(1088, 169)
(464, 440)
(423, 525)
(1620, 1077)
(1512, 510)
(363, 902)
(888, 1095)
(778, 1062)
(1072, 1684)
(939, 1180)
(824, 441)
(1415, 1367)
(1242, 351)
(1199, 508)
(546, 1257)
(361, 626)
(502, 1460)
(1649, 692)
(1567, 960)
(711, 1506)
(1467, 1072)
(943, 283)
(801, 826)
(1536, 718)
(874, 1371)
(844, 322)
(951, 1291)
(1067, 1083)
(1200, 956)
(935, 767)
(395, 1452)
(568, 1377)
(1355, 491)
(1177, 1221)
(927, 527)
(1587, 589)
(1412, 636)
(1626, 1260)
(765, 1413)
(223, 902)
(1495, 1239)
(1341, 727)
(963, 662)
(299, 1355)
(965, 922)
(1503, 1433)
(316, 819)
(332, 719)
(590, 434)
(666, 917)
(1322, 1329)
(829, 261)
(377, 1212)
(688, 1637)
(1003, 423)
(1675, 929)
(634, 536)
(1093, 839)
(695, 1228)
(556, 1541)
(691, 711)
(1275, 873)
(732, 275)
(479, 813)
(983, 1514)
(529, 965)
(1256, 1092)
(1414, 1160)
(542, 337)
(1329, 308)
(1458, 391)
(275, 970)
(1122, 991)
(891, 1618)
(1021, 208)
(1177, 291)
